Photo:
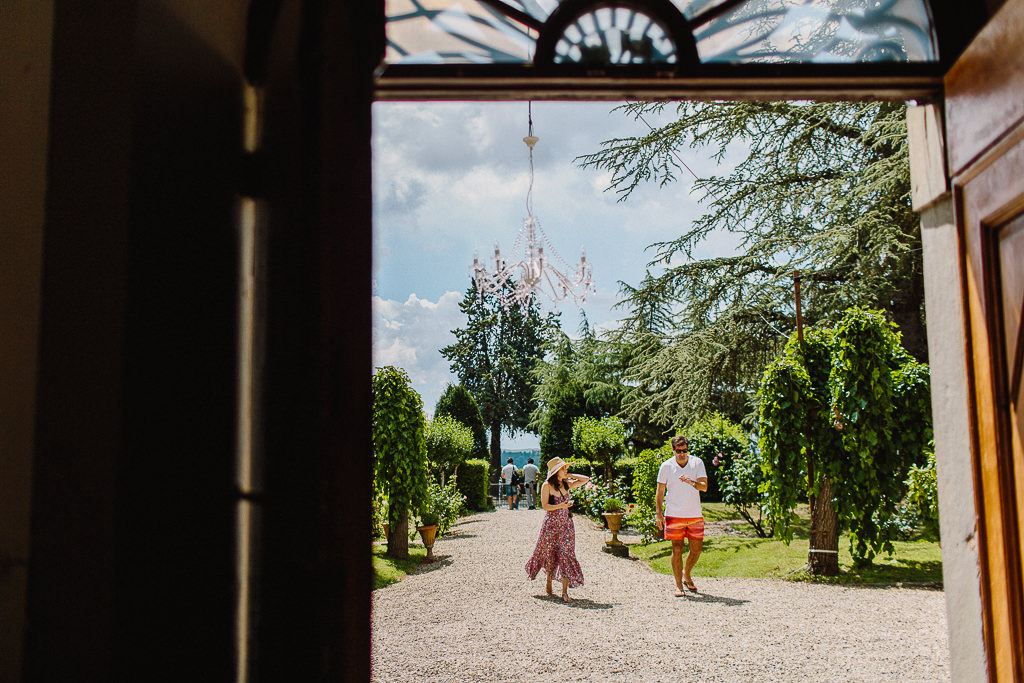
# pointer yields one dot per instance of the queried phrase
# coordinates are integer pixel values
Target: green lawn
(387, 571)
(913, 561)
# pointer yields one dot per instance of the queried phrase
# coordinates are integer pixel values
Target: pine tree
(824, 188)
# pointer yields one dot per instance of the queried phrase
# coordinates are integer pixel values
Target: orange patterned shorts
(679, 528)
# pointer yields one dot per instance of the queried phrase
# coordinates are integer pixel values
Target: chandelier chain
(518, 283)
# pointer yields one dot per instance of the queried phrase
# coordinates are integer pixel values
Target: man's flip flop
(691, 586)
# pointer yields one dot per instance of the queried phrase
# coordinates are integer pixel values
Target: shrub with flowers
(445, 505)
(592, 497)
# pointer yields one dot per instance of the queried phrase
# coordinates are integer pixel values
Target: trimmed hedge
(472, 483)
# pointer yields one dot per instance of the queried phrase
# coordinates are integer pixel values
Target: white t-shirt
(681, 499)
(506, 472)
(530, 472)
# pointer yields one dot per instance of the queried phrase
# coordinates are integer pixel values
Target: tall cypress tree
(493, 358)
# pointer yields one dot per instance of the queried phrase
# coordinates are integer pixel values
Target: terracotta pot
(427, 533)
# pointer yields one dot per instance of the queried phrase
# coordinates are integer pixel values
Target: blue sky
(451, 179)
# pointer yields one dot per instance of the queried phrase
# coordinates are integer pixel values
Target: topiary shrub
(472, 483)
(449, 443)
(600, 440)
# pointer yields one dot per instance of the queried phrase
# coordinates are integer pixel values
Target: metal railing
(499, 495)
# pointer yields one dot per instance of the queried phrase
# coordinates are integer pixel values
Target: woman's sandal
(690, 585)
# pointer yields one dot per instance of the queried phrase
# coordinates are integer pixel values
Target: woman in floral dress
(556, 548)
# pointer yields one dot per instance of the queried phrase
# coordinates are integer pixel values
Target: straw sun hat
(555, 464)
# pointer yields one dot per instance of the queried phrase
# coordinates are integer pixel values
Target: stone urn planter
(428, 533)
(614, 522)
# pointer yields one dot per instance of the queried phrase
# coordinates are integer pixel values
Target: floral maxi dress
(556, 548)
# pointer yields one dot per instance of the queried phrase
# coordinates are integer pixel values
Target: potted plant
(613, 511)
(428, 531)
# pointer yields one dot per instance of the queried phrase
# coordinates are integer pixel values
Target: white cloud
(410, 335)
(451, 178)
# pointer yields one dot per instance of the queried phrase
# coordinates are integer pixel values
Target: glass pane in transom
(637, 31)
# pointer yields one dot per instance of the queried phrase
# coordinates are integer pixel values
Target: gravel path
(475, 616)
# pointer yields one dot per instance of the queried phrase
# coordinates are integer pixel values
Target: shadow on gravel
(707, 597)
(442, 561)
(578, 603)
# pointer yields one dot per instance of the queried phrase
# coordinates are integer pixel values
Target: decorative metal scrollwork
(669, 33)
(616, 32)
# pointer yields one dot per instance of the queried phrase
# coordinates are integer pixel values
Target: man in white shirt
(507, 473)
(681, 478)
(530, 472)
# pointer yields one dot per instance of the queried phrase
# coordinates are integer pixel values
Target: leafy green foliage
(445, 505)
(558, 412)
(399, 444)
(623, 470)
(379, 513)
(592, 498)
(645, 488)
(740, 479)
(840, 404)
(717, 441)
(472, 483)
(923, 496)
(599, 440)
(645, 476)
(613, 504)
(493, 357)
(457, 402)
(577, 378)
(449, 443)
(823, 188)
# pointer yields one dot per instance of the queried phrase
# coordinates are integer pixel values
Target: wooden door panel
(991, 208)
(1010, 250)
(1011, 268)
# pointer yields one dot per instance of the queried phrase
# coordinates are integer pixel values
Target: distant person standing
(508, 474)
(530, 472)
(681, 478)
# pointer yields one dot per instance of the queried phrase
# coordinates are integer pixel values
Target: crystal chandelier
(540, 269)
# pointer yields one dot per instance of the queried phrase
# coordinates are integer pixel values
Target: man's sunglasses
(679, 450)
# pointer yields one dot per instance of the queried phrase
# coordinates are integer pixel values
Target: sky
(451, 179)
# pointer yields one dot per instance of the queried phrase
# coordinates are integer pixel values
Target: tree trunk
(824, 533)
(906, 312)
(496, 445)
(398, 540)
